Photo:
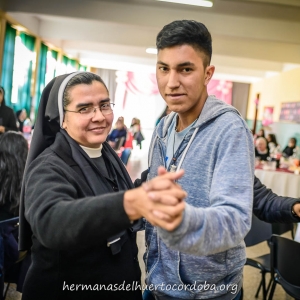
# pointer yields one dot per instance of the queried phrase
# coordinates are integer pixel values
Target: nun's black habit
(69, 212)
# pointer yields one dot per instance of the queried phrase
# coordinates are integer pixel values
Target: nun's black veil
(45, 130)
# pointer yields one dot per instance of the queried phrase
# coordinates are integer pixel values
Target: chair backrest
(125, 155)
(119, 143)
(280, 228)
(260, 231)
(285, 256)
(12, 221)
(285, 262)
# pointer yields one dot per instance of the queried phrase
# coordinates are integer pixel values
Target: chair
(13, 265)
(119, 143)
(281, 228)
(125, 155)
(285, 265)
(260, 231)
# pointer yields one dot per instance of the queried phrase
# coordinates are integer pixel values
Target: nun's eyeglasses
(89, 111)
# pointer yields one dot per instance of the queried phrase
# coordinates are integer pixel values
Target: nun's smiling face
(89, 131)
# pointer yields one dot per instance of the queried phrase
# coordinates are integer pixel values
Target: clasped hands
(160, 200)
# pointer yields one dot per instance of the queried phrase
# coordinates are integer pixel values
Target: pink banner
(222, 89)
(267, 115)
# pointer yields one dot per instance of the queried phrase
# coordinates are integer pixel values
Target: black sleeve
(60, 219)
(138, 182)
(270, 207)
(12, 121)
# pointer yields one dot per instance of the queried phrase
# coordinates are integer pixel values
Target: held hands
(2, 129)
(160, 200)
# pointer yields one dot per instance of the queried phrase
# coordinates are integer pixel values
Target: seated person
(289, 149)
(120, 132)
(272, 142)
(21, 117)
(261, 148)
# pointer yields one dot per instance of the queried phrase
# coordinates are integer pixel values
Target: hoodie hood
(212, 108)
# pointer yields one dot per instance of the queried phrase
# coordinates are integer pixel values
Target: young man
(203, 257)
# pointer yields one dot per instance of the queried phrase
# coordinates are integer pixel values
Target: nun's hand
(160, 201)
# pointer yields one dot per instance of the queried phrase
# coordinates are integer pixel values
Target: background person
(79, 208)
(135, 129)
(21, 117)
(117, 137)
(290, 148)
(13, 154)
(272, 143)
(7, 116)
(262, 148)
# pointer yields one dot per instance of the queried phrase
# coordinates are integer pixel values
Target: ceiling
(252, 39)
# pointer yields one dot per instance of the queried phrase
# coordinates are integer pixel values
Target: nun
(79, 209)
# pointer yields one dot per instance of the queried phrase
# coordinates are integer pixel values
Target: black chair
(119, 143)
(281, 228)
(14, 265)
(285, 265)
(260, 231)
(125, 156)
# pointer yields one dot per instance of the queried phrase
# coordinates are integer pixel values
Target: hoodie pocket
(210, 269)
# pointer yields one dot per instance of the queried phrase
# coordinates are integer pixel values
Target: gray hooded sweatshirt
(204, 257)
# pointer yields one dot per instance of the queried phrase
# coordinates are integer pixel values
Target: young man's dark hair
(186, 32)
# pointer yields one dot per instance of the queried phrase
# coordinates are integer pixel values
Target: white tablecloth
(283, 184)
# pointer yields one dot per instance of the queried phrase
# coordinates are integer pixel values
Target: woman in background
(135, 129)
(272, 142)
(7, 117)
(13, 154)
(117, 137)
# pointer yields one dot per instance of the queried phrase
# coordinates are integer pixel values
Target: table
(282, 183)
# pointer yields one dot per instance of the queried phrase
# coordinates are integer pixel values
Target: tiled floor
(251, 275)
(138, 163)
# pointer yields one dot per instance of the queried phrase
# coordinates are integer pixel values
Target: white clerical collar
(92, 152)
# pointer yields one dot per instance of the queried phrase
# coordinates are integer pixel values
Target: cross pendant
(173, 169)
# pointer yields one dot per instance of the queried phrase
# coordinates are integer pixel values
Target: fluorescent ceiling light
(151, 50)
(19, 28)
(205, 3)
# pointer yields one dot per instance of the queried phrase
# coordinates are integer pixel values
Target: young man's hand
(296, 209)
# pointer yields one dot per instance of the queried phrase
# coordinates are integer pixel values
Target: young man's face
(88, 131)
(182, 78)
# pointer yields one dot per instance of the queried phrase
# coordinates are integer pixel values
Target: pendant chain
(173, 166)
